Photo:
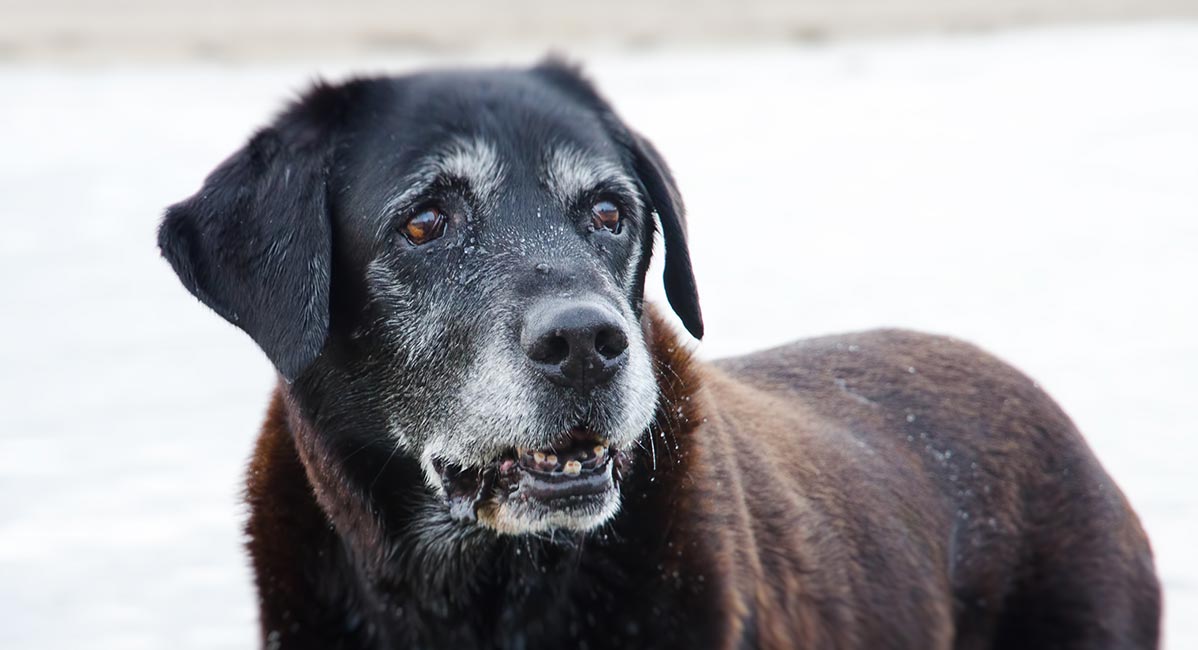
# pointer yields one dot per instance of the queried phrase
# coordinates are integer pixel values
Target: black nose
(580, 345)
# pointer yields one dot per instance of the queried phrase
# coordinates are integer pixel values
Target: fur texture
(820, 495)
(878, 490)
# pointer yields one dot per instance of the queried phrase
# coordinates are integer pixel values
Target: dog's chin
(526, 514)
(573, 485)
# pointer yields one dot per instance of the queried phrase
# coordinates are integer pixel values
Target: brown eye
(605, 215)
(425, 226)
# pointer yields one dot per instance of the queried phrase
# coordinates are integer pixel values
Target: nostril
(610, 342)
(557, 348)
(552, 349)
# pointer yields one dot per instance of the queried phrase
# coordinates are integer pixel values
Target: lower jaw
(518, 515)
(518, 501)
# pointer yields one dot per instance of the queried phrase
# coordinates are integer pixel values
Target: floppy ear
(679, 278)
(254, 243)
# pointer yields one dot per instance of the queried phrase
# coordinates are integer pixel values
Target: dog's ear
(659, 184)
(679, 278)
(254, 243)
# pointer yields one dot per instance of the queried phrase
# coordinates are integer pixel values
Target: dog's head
(453, 263)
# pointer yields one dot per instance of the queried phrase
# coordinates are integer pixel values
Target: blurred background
(1019, 173)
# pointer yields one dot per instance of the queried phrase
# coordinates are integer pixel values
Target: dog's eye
(425, 226)
(605, 216)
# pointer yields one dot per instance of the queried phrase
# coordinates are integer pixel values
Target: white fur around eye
(472, 162)
(570, 172)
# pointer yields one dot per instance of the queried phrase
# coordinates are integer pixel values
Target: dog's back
(929, 473)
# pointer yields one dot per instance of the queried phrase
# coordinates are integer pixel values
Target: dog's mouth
(527, 489)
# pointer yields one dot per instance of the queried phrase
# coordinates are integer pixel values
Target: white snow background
(1035, 192)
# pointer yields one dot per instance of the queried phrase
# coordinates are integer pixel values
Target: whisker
(394, 450)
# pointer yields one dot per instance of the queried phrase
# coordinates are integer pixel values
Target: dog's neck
(401, 539)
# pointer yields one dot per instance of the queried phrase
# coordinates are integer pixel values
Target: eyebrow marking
(472, 161)
(569, 172)
(475, 162)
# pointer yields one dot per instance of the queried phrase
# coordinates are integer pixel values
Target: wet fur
(878, 490)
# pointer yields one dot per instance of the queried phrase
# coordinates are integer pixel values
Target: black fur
(880, 490)
(255, 242)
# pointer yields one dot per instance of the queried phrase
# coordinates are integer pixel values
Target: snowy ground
(1035, 192)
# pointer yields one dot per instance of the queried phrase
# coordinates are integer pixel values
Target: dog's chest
(618, 598)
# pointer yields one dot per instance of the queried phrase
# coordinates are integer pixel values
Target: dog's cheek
(494, 403)
(639, 393)
(413, 374)
(498, 404)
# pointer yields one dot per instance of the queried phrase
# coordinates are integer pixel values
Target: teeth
(551, 458)
(573, 467)
(520, 451)
(539, 457)
(599, 449)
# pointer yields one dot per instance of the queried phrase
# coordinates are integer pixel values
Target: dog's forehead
(504, 135)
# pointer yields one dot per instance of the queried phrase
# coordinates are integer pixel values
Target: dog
(483, 437)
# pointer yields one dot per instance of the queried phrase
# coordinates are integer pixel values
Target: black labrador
(482, 437)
